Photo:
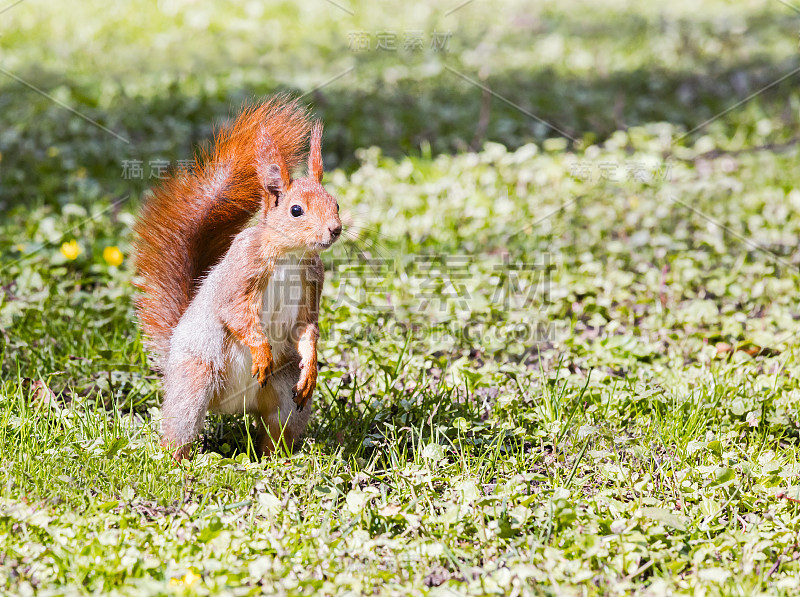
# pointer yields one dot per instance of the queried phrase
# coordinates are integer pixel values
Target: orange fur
(189, 222)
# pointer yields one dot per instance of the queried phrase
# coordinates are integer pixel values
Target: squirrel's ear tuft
(315, 153)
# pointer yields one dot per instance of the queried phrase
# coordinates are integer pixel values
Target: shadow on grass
(348, 421)
(53, 156)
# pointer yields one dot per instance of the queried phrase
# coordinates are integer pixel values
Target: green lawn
(548, 365)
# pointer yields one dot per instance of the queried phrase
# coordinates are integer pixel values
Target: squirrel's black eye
(296, 211)
(337, 206)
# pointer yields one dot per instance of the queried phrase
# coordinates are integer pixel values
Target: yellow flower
(187, 580)
(112, 255)
(71, 250)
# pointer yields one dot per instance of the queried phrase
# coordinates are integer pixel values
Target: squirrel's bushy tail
(189, 221)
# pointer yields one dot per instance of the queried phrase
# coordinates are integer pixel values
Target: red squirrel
(224, 302)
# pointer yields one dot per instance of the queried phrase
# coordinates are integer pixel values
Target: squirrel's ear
(270, 166)
(274, 181)
(315, 154)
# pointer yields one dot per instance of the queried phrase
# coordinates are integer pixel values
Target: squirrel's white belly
(281, 304)
(280, 307)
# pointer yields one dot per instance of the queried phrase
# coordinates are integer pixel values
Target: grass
(547, 367)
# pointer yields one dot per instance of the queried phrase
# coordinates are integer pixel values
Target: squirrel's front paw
(301, 393)
(262, 363)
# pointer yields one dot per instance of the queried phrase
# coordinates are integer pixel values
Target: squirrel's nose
(335, 231)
